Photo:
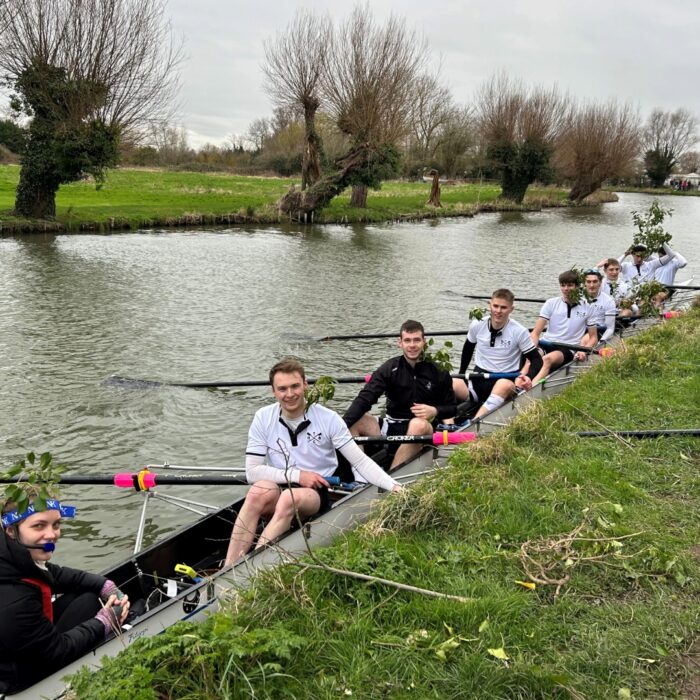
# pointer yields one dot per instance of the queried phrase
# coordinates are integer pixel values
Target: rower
(602, 303)
(642, 268)
(292, 443)
(666, 274)
(418, 394)
(617, 287)
(569, 319)
(501, 345)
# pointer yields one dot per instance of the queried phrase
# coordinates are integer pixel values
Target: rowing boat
(170, 596)
(196, 591)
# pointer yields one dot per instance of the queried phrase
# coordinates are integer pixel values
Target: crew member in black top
(418, 393)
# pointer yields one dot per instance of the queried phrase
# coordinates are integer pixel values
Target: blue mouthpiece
(49, 546)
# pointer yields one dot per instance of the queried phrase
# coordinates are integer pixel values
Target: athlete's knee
(419, 426)
(262, 495)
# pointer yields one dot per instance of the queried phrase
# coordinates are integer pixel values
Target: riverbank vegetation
(578, 561)
(147, 198)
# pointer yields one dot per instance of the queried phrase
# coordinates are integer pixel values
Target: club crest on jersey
(315, 438)
(505, 343)
(428, 385)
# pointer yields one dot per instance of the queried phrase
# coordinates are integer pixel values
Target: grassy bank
(657, 191)
(609, 530)
(133, 199)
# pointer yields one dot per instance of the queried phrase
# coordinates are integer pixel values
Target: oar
(681, 286)
(604, 352)
(359, 379)
(391, 334)
(488, 298)
(688, 432)
(442, 437)
(143, 481)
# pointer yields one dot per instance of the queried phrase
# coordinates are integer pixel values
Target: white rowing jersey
(667, 273)
(605, 313)
(619, 290)
(310, 446)
(499, 350)
(566, 324)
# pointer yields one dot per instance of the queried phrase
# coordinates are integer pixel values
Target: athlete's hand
(523, 382)
(422, 410)
(312, 480)
(580, 356)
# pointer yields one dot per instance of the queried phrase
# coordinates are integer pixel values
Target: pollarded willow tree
(368, 88)
(598, 141)
(520, 126)
(86, 73)
(667, 136)
(294, 64)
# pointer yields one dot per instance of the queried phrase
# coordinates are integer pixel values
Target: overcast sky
(646, 52)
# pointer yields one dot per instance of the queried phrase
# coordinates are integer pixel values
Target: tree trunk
(358, 198)
(36, 195)
(311, 162)
(300, 205)
(582, 188)
(435, 189)
(513, 187)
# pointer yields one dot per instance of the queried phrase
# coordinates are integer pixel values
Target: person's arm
(467, 353)
(30, 635)
(68, 580)
(678, 260)
(368, 396)
(257, 470)
(591, 338)
(535, 363)
(540, 325)
(367, 468)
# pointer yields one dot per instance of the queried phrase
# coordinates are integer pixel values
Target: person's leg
(301, 502)
(72, 609)
(416, 426)
(502, 390)
(459, 386)
(261, 500)
(367, 426)
(550, 361)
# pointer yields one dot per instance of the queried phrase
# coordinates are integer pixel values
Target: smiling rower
(418, 394)
(603, 304)
(501, 344)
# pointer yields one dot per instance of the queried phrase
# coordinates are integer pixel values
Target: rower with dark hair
(418, 394)
(569, 320)
(290, 442)
(603, 304)
(643, 268)
(502, 345)
(39, 632)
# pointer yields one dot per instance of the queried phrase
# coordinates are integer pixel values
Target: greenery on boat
(580, 557)
(36, 480)
(650, 231)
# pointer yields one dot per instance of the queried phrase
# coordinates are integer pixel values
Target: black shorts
(480, 388)
(322, 494)
(393, 427)
(567, 352)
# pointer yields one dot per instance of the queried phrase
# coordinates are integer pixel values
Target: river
(226, 304)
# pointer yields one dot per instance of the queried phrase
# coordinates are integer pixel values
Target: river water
(226, 304)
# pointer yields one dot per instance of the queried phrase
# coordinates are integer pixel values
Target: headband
(51, 504)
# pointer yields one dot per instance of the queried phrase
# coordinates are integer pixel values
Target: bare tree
(86, 72)
(598, 141)
(295, 61)
(667, 136)
(368, 88)
(431, 111)
(520, 126)
(258, 133)
(457, 138)
(689, 162)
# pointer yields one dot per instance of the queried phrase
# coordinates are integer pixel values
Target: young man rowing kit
(502, 345)
(418, 395)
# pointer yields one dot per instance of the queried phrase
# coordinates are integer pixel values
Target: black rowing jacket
(404, 386)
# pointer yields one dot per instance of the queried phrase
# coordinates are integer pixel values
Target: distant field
(132, 198)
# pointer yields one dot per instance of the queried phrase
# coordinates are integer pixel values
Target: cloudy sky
(646, 52)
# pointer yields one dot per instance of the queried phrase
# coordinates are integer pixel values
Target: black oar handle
(517, 298)
(688, 432)
(681, 286)
(391, 334)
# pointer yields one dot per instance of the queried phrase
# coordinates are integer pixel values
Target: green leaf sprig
(440, 357)
(321, 391)
(650, 231)
(34, 481)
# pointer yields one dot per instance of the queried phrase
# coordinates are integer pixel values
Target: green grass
(133, 198)
(624, 622)
(656, 190)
